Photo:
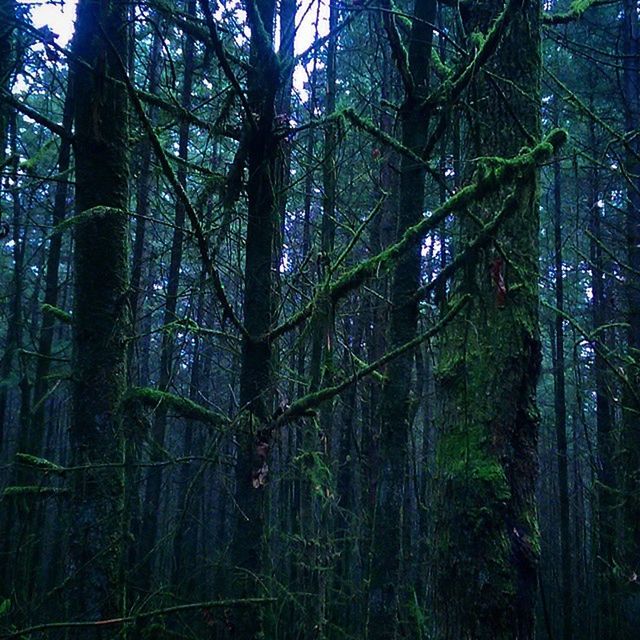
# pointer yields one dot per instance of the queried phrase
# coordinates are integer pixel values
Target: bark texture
(486, 532)
(100, 318)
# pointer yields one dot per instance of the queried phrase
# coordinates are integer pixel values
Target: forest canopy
(320, 319)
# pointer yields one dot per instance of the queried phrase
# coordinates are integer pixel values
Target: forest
(320, 319)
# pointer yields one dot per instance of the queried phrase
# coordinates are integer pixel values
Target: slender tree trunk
(606, 519)
(486, 539)
(631, 412)
(150, 517)
(396, 411)
(14, 325)
(561, 413)
(101, 319)
(35, 442)
(143, 189)
(185, 562)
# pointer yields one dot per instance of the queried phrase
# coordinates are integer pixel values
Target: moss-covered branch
(59, 130)
(449, 91)
(60, 314)
(485, 235)
(493, 174)
(398, 50)
(35, 491)
(578, 7)
(42, 464)
(221, 54)
(366, 125)
(185, 408)
(306, 404)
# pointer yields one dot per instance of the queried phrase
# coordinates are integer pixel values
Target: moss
(32, 490)
(39, 463)
(59, 314)
(465, 454)
(185, 408)
(441, 69)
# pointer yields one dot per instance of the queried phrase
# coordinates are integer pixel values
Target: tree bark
(631, 400)
(396, 411)
(100, 319)
(561, 412)
(486, 538)
(256, 380)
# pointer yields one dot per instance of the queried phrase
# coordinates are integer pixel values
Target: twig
(246, 602)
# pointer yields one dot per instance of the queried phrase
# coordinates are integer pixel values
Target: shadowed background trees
(320, 320)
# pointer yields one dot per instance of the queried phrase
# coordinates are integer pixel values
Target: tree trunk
(149, 532)
(486, 538)
(631, 400)
(100, 319)
(385, 582)
(561, 412)
(256, 382)
(35, 441)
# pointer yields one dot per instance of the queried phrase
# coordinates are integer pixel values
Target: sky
(58, 16)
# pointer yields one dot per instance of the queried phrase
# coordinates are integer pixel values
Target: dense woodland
(320, 320)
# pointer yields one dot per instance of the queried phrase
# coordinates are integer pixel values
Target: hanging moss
(88, 214)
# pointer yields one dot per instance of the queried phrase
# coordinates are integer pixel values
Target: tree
(396, 410)
(486, 532)
(101, 315)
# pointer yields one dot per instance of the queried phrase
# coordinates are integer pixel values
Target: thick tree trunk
(486, 539)
(101, 319)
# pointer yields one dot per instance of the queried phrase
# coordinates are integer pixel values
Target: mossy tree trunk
(395, 409)
(486, 538)
(256, 385)
(101, 315)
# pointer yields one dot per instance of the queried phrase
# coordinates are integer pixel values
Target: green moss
(39, 463)
(32, 490)
(465, 454)
(441, 69)
(57, 313)
(185, 408)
